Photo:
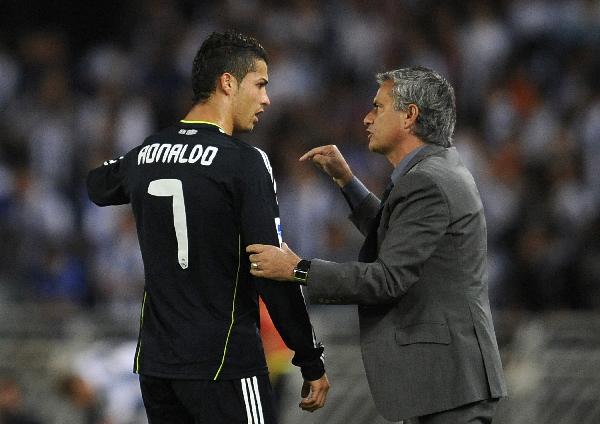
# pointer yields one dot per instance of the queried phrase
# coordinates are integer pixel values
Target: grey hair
(432, 94)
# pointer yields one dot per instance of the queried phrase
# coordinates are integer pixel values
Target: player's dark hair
(230, 52)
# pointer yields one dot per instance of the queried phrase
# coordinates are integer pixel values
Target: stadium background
(81, 82)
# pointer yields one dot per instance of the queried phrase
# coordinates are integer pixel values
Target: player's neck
(214, 112)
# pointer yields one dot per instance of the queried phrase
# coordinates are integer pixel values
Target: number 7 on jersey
(173, 188)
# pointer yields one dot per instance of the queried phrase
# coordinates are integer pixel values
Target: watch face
(298, 273)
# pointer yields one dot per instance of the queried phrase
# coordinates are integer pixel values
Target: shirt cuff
(311, 365)
(355, 192)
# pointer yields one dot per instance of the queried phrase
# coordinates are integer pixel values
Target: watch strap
(301, 272)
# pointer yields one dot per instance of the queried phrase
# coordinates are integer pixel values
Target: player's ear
(227, 83)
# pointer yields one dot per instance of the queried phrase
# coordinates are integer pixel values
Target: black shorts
(242, 401)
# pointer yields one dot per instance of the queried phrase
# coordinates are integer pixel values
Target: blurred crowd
(72, 96)
(78, 87)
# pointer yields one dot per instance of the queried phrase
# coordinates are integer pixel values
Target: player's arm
(106, 184)
(285, 303)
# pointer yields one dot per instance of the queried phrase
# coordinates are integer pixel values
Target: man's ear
(227, 83)
(412, 113)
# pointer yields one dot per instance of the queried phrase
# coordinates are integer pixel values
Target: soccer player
(199, 197)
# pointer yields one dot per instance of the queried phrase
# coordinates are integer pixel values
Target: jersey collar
(203, 123)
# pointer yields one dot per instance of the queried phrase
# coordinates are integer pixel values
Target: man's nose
(367, 120)
(266, 101)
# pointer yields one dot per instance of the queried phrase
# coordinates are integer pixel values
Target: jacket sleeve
(285, 302)
(106, 184)
(418, 220)
(363, 215)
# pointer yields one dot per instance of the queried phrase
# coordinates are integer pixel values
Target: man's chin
(245, 129)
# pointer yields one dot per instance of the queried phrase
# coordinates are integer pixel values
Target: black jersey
(199, 197)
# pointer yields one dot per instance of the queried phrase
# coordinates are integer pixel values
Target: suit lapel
(369, 247)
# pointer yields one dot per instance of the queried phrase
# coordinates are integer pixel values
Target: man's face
(384, 124)
(251, 98)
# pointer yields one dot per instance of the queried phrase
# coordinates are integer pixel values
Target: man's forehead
(260, 67)
(260, 71)
(385, 90)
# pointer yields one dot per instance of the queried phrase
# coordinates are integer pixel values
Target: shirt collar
(401, 167)
(203, 123)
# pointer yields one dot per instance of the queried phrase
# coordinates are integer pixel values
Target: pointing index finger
(312, 152)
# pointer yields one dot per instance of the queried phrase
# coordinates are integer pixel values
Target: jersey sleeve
(285, 302)
(106, 184)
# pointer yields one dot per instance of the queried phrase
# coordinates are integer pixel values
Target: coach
(427, 336)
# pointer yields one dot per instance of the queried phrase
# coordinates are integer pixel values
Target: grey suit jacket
(426, 331)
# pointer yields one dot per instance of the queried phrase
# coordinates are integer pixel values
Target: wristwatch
(301, 272)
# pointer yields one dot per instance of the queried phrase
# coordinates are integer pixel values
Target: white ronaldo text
(176, 153)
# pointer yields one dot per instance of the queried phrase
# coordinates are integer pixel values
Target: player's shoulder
(245, 147)
(254, 159)
(251, 153)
